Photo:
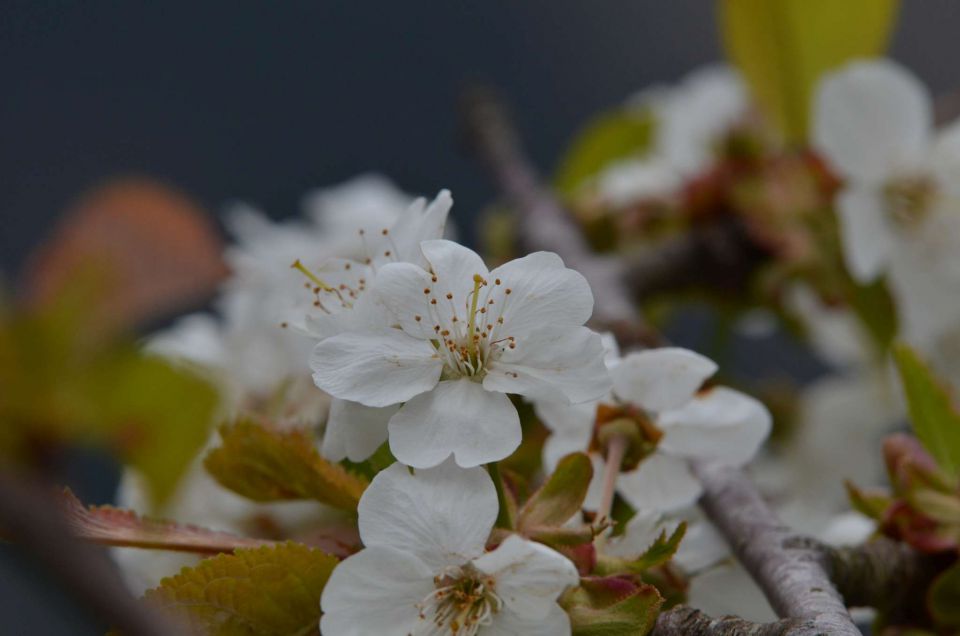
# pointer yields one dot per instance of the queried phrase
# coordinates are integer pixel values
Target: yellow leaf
(607, 138)
(783, 46)
(268, 465)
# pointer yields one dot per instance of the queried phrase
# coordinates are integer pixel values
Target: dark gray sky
(265, 100)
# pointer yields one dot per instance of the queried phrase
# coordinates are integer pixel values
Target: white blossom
(660, 389)
(899, 211)
(424, 569)
(459, 339)
(689, 119)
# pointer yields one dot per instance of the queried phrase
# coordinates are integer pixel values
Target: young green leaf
(659, 552)
(943, 598)
(116, 527)
(609, 137)
(157, 417)
(560, 497)
(612, 606)
(269, 591)
(933, 414)
(269, 465)
(783, 46)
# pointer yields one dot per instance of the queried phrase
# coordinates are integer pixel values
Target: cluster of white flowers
(434, 345)
(411, 340)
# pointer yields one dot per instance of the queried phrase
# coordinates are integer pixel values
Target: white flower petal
(458, 417)
(561, 444)
(530, 576)
(196, 338)
(694, 114)
(867, 235)
(661, 379)
(562, 364)
(511, 623)
(728, 590)
(573, 418)
(442, 514)
(660, 483)
(595, 490)
(398, 288)
(720, 424)
(455, 267)
(702, 547)
(375, 591)
(420, 224)
(944, 158)
(375, 369)
(871, 119)
(355, 431)
(642, 530)
(543, 291)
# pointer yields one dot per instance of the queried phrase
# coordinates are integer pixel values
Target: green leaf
(871, 503)
(935, 419)
(269, 465)
(875, 307)
(659, 552)
(943, 598)
(609, 137)
(67, 382)
(613, 606)
(561, 497)
(270, 591)
(784, 46)
(156, 416)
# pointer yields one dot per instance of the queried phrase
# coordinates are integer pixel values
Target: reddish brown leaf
(154, 247)
(112, 526)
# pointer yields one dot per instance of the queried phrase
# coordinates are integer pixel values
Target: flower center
(467, 339)
(630, 422)
(464, 601)
(909, 198)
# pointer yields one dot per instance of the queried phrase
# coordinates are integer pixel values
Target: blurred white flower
(337, 286)
(694, 115)
(689, 120)
(462, 337)
(369, 202)
(899, 210)
(251, 360)
(660, 389)
(424, 569)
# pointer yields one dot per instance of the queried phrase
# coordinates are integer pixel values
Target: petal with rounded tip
(375, 591)
(458, 417)
(529, 576)
(375, 369)
(442, 514)
(661, 379)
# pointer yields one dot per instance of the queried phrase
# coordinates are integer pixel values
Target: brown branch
(543, 223)
(792, 574)
(885, 574)
(688, 621)
(30, 517)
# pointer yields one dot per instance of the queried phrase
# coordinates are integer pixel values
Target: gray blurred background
(264, 101)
